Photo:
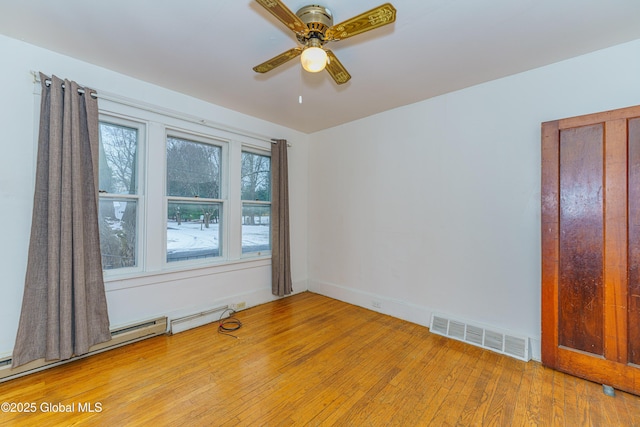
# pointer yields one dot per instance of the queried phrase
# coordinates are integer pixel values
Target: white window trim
(141, 127)
(262, 152)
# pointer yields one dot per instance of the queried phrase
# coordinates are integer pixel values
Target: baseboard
(404, 310)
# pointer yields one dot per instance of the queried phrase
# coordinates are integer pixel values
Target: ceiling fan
(313, 26)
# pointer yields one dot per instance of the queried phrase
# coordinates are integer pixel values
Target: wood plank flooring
(309, 360)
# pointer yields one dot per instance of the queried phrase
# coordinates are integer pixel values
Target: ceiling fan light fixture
(313, 59)
(313, 26)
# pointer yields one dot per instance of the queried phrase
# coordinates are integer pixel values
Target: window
(256, 202)
(194, 199)
(177, 194)
(119, 193)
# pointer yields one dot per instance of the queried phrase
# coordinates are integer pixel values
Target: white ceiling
(207, 48)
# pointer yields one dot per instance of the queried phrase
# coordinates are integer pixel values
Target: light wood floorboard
(310, 360)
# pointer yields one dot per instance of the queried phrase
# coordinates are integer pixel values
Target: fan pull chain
(301, 85)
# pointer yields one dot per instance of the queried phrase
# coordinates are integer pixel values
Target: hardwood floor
(309, 360)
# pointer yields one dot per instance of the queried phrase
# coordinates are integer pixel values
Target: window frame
(223, 199)
(266, 153)
(139, 197)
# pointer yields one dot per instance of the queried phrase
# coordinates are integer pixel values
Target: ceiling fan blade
(276, 61)
(376, 17)
(336, 69)
(285, 15)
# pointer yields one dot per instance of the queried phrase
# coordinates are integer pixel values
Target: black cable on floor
(229, 324)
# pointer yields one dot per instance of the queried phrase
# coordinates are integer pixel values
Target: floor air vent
(514, 346)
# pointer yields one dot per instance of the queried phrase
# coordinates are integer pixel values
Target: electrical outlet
(238, 306)
(376, 304)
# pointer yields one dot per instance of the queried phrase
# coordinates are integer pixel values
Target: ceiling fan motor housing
(317, 18)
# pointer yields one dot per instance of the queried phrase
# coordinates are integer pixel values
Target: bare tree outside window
(193, 169)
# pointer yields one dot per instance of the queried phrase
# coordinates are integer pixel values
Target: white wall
(435, 206)
(171, 294)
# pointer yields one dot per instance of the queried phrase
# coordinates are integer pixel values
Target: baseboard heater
(181, 324)
(119, 337)
(494, 340)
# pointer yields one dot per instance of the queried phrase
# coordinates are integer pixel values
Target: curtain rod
(165, 112)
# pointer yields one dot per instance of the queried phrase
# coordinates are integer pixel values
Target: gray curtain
(280, 250)
(64, 307)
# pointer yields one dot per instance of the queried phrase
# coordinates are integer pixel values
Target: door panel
(580, 294)
(634, 241)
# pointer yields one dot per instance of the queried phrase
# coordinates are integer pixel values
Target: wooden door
(591, 247)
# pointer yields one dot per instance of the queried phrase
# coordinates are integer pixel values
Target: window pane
(193, 230)
(256, 230)
(256, 177)
(193, 169)
(118, 222)
(118, 159)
